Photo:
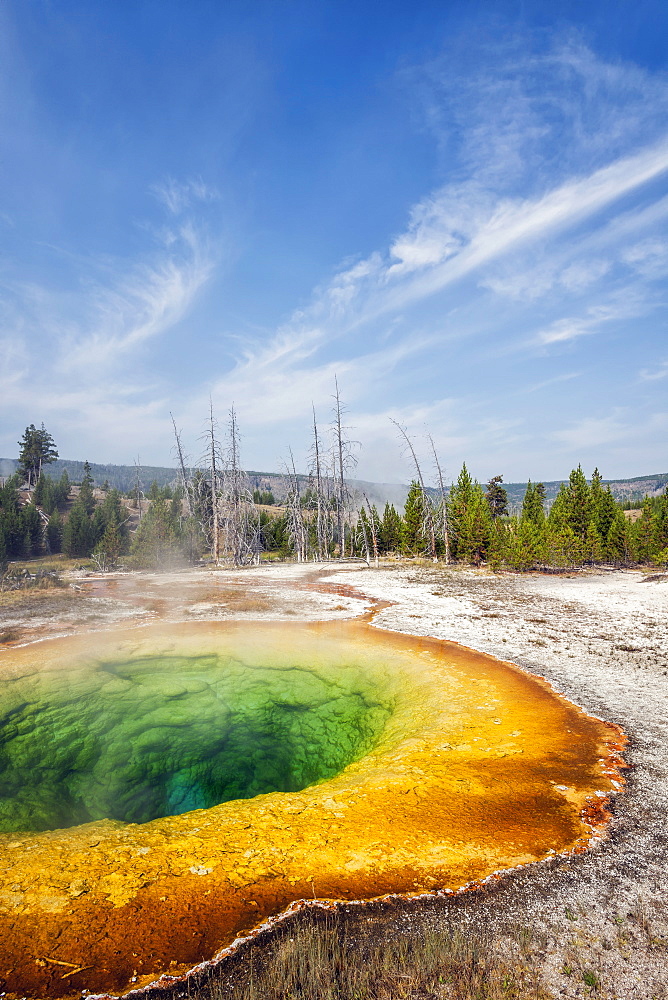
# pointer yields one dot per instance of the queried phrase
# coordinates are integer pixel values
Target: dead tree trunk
(138, 489)
(444, 506)
(362, 521)
(185, 479)
(340, 477)
(426, 503)
(343, 459)
(321, 525)
(372, 527)
(241, 522)
(295, 515)
(213, 471)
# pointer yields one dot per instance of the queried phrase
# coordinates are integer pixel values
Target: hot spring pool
(163, 789)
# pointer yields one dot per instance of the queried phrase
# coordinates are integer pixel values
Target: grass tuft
(320, 961)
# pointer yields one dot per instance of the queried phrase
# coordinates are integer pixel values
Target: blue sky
(458, 208)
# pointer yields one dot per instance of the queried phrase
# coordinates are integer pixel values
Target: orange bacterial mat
(401, 765)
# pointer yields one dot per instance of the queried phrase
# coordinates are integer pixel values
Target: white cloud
(138, 306)
(177, 196)
(590, 432)
(623, 305)
(655, 375)
(566, 377)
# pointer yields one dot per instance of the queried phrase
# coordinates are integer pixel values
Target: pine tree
(645, 531)
(54, 533)
(111, 511)
(459, 501)
(498, 545)
(579, 503)
(37, 450)
(390, 530)
(617, 547)
(661, 522)
(32, 530)
(40, 496)
(497, 497)
(605, 511)
(79, 536)
(593, 545)
(475, 528)
(413, 535)
(61, 491)
(86, 490)
(532, 505)
(11, 520)
(156, 543)
(109, 547)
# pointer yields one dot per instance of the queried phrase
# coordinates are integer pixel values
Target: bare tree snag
(185, 479)
(213, 472)
(444, 505)
(372, 527)
(426, 502)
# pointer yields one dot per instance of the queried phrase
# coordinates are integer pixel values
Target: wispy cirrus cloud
(654, 374)
(542, 233)
(139, 304)
(177, 196)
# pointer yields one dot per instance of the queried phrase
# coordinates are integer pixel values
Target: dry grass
(236, 599)
(320, 961)
(19, 579)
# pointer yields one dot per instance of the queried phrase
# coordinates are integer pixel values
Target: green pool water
(160, 735)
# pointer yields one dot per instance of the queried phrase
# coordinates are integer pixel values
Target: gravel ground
(598, 922)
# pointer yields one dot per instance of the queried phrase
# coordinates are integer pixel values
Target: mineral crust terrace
(463, 766)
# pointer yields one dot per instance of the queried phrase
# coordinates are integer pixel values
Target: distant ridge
(122, 477)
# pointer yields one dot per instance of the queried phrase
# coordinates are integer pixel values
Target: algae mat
(165, 789)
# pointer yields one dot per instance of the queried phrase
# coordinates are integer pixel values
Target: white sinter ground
(602, 640)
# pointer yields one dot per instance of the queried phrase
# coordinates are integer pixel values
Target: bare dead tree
(343, 461)
(319, 497)
(426, 502)
(213, 449)
(295, 513)
(443, 508)
(183, 477)
(361, 523)
(372, 528)
(138, 492)
(240, 519)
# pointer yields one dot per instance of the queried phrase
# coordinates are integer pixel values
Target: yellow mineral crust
(477, 767)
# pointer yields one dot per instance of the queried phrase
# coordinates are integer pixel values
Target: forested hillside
(124, 478)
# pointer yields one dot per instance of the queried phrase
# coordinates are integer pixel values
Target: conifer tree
(579, 503)
(617, 546)
(413, 536)
(593, 545)
(661, 522)
(390, 530)
(604, 512)
(40, 496)
(61, 490)
(532, 505)
(79, 535)
(86, 497)
(459, 501)
(37, 450)
(645, 531)
(54, 533)
(497, 497)
(474, 528)
(156, 542)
